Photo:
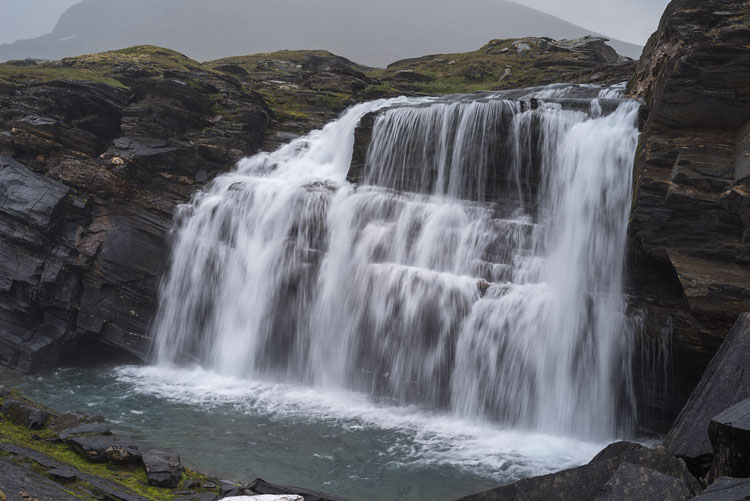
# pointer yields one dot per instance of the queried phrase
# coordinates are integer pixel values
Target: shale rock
(730, 438)
(163, 469)
(726, 489)
(614, 472)
(725, 383)
(106, 449)
(90, 174)
(633, 482)
(22, 414)
(690, 224)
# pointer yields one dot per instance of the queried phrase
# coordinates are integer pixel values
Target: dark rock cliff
(90, 174)
(690, 227)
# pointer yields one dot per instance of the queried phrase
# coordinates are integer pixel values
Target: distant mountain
(370, 32)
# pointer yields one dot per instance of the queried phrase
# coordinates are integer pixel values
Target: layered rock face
(90, 174)
(691, 217)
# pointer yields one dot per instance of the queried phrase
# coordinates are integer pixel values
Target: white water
(476, 274)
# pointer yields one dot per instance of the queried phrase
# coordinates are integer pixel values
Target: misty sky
(628, 20)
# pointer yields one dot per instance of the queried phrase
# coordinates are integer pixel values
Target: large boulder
(725, 383)
(617, 472)
(24, 414)
(163, 469)
(730, 438)
(636, 482)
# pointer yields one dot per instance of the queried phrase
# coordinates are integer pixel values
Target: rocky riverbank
(45, 455)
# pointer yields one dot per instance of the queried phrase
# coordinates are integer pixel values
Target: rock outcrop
(621, 471)
(691, 215)
(730, 438)
(90, 174)
(725, 382)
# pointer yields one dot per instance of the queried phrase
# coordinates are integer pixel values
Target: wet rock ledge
(45, 455)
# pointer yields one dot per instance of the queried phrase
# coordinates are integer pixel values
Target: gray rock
(29, 198)
(15, 479)
(84, 429)
(730, 437)
(587, 482)
(725, 383)
(163, 469)
(105, 449)
(616, 449)
(25, 415)
(636, 482)
(726, 489)
(64, 475)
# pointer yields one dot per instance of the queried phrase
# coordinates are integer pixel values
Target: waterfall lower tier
(476, 268)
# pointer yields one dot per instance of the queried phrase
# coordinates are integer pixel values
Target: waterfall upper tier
(475, 268)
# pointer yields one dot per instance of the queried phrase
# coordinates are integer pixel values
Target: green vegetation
(131, 478)
(307, 88)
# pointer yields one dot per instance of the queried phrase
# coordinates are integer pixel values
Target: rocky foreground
(45, 456)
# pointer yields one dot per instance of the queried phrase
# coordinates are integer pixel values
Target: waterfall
(474, 268)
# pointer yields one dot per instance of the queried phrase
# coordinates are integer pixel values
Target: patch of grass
(47, 72)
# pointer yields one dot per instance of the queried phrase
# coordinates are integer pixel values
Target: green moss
(130, 477)
(16, 75)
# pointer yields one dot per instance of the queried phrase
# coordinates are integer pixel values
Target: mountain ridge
(370, 34)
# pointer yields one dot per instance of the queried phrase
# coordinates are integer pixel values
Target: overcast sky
(628, 20)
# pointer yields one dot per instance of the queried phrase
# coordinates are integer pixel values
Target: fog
(372, 33)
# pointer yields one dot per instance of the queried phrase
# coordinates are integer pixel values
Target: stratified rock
(589, 481)
(691, 214)
(15, 479)
(163, 469)
(105, 449)
(634, 482)
(730, 438)
(87, 199)
(725, 382)
(22, 414)
(29, 198)
(726, 489)
(84, 429)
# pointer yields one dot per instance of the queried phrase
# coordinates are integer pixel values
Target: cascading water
(475, 268)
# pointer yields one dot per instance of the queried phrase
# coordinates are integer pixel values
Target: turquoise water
(340, 442)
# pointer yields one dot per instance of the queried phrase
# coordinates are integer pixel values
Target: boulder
(22, 414)
(636, 482)
(730, 437)
(596, 478)
(726, 489)
(105, 449)
(163, 469)
(725, 382)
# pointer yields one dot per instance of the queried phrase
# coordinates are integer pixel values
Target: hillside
(374, 33)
